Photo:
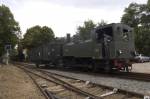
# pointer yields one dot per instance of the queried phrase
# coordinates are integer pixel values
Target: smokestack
(68, 37)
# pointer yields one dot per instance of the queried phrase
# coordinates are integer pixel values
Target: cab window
(100, 33)
(125, 34)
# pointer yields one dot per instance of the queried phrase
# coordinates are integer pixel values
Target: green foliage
(37, 35)
(131, 16)
(138, 17)
(84, 32)
(9, 28)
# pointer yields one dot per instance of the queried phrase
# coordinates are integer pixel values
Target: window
(104, 31)
(125, 34)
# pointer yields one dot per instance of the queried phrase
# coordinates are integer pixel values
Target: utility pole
(6, 56)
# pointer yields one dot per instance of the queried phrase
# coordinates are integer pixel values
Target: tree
(143, 40)
(138, 17)
(132, 15)
(84, 32)
(37, 35)
(9, 28)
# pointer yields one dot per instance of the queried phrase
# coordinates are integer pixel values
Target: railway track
(79, 93)
(84, 88)
(134, 76)
(103, 86)
(122, 75)
(45, 92)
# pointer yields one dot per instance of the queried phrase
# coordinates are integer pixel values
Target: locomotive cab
(117, 45)
(104, 36)
(110, 47)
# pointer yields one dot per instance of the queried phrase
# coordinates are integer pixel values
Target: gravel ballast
(124, 84)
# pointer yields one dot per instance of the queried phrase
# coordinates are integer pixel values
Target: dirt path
(15, 84)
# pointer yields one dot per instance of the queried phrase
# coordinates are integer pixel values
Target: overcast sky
(63, 16)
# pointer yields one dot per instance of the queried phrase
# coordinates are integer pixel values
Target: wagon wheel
(46, 66)
(94, 67)
(60, 64)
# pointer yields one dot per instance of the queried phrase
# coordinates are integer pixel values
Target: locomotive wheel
(60, 64)
(130, 68)
(126, 69)
(37, 65)
(94, 67)
(107, 69)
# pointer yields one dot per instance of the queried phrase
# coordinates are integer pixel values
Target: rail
(62, 83)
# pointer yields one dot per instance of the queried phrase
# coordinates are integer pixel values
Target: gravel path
(15, 84)
(141, 67)
(131, 85)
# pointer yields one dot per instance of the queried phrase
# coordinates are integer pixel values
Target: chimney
(68, 37)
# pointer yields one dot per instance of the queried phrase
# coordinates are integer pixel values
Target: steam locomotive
(110, 47)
